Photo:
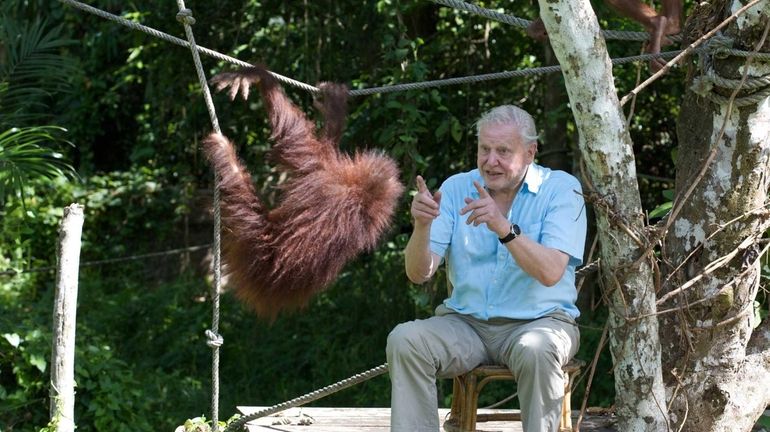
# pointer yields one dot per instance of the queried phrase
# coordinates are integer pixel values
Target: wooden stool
(465, 397)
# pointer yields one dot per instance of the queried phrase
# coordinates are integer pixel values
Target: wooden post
(65, 307)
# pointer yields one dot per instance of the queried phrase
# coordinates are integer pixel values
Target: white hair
(513, 116)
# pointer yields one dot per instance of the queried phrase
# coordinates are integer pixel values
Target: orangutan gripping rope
(332, 205)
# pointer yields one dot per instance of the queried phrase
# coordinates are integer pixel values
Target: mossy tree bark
(717, 362)
(612, 187)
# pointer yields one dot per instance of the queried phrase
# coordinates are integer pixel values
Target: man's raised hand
(425, 206)
(484, 210)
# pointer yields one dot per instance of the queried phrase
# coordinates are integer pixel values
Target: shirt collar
(533, 179)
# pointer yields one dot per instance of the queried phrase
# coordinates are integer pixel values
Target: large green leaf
(29, 153)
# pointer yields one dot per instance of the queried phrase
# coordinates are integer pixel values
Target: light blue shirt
(486, 280)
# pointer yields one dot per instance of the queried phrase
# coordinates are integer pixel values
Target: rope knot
(185, 16)
(215, 340)
(720, 46)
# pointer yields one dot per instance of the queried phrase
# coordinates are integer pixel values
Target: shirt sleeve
(564, 226)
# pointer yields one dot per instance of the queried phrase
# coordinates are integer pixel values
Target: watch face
(515, 230)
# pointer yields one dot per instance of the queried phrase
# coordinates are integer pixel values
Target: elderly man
(511, 233)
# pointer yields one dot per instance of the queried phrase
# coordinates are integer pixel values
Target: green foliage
(24, 157)
(24, 358)
(663, 208)
(32, 69)
(32, 72)
(764, 423)
(111, 394)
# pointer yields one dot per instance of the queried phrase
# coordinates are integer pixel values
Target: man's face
(503, 157)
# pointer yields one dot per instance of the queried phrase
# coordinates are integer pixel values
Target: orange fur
(332, 206)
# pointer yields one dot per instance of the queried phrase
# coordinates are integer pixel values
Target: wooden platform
(376, 420)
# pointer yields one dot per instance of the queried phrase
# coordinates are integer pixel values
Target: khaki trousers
(450, 344)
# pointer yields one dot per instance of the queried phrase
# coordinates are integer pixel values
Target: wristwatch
(515, 232)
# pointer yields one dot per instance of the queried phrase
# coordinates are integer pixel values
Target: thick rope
(742, 101)
(523, 23)
(708, 81)
(496, 76)
(310, 397)
(215, 340)
(704, 86)
(181, 42)
(720, 47)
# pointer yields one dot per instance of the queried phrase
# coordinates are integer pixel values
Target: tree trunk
(719, 365)
(555, 148)
(65, 307)
(606, 148)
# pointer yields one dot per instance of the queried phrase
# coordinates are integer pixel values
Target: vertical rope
(215, 340)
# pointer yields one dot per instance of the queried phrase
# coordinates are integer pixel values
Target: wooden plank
(378, 420)
(351, 419)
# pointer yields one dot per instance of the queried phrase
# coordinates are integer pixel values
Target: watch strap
(514, 232)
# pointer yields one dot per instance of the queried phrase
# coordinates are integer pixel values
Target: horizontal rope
(497, 75)
(742, 101)
(750, 83)
(523, 23)
(181, 42)
(318, 394)
(721, 46)
(11, 272)
(743, 53)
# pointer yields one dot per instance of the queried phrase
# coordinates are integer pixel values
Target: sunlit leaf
(12, 339)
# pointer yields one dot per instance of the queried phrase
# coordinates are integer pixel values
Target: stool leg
(566, 405)
(469, 407)
(566, 413)
(458, 400)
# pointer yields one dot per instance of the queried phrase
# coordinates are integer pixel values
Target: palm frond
(32, 69)
(28, 154)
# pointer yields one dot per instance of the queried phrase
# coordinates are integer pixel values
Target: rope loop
(215, 340)
(720, 46)
(754, 89)
(185, 16)
(711, 85)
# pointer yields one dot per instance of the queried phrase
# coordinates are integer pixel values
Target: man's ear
(532, 151)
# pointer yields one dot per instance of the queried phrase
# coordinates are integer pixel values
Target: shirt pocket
(533, 231)
(477, 244)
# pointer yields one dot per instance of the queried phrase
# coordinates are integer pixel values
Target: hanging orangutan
(332, 205)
